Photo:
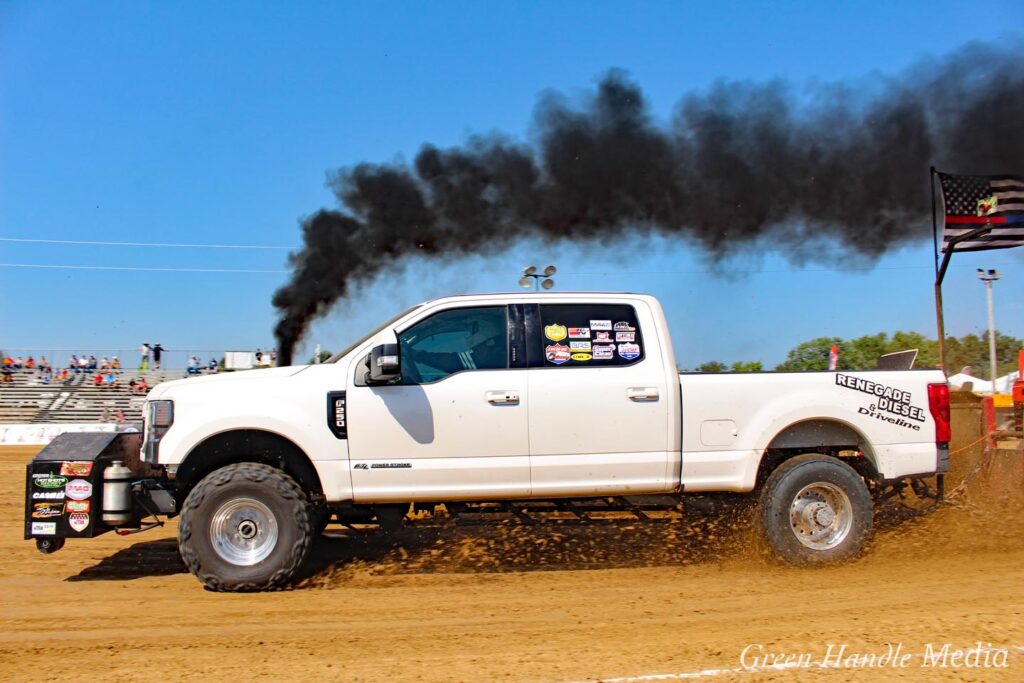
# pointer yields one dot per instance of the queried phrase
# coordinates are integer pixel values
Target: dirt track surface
(511, 604)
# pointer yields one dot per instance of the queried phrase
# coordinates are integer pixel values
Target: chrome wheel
(821, 516)
(243, 531)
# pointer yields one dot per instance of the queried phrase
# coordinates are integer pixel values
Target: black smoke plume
(809, 173)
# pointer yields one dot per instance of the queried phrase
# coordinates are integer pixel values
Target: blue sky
(216, 123)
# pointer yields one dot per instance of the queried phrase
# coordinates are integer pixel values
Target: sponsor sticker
(46, 510)
(625, 336)
(604, 352)
(581, 356)
(76, 469)
(78, 489)
(78, 521)
(579, 346)
(556, 353)
(555, 332)
(629, 351)
(600, 324)
(602, 336)
(78, 506)
(44, 528)
(48, 495)
(579, 333)
(48, 481)
(624, 327)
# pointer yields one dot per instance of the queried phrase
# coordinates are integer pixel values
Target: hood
(223, 378)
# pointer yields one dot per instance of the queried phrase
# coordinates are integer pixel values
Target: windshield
(359, 340)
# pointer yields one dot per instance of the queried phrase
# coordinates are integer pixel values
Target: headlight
(159, 418)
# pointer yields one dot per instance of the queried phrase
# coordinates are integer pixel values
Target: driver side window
(452, 341)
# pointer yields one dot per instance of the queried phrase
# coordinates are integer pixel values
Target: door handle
(499, 398)
(642, 393)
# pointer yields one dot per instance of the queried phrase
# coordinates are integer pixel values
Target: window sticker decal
(629, 351)
(555, 332)
(556, 353)
(575, 335)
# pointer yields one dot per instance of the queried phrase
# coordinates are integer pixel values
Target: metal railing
(130, 359)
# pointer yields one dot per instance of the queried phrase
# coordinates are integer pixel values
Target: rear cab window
(585, 335)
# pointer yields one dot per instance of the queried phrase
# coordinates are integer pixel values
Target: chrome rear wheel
(821, 516)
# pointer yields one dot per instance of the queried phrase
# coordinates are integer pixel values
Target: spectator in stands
(97, 379)
(30, 363)
(115, 364)
(110, 379)
(158, 351)
(193, 365)
(93, 363)
(212, 366)
(45, 375)
(43, 363)
(8, 360)
(7, 372)
(104, 363)
(73, 363)
(119, 416)
(142, 387)
(145, 350)
(19, 362)
(259, 357)
(83, 363)
(64, 375)
(273, 357)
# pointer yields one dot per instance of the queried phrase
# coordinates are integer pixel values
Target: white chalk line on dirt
(709, 673)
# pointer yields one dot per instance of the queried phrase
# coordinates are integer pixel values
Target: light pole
(988, 277)
(530, 272)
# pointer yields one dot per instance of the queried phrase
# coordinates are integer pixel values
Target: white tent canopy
(1004, 384)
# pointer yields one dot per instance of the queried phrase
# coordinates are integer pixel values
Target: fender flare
(246, 445)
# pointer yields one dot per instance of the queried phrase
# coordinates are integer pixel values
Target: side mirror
(385, 364)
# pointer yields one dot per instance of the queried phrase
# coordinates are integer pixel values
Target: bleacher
(77, 400)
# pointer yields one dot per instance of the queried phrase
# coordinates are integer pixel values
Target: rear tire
(815, 510)
(245, 527)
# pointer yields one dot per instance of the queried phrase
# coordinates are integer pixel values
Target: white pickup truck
(511, 397)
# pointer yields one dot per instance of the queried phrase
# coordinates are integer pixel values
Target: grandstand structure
(28, 400)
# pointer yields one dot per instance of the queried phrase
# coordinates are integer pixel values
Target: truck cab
(508, 397)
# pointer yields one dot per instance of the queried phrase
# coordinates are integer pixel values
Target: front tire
(245, 527)
(816, 510)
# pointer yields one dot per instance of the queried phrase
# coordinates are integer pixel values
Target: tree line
(862, 353)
